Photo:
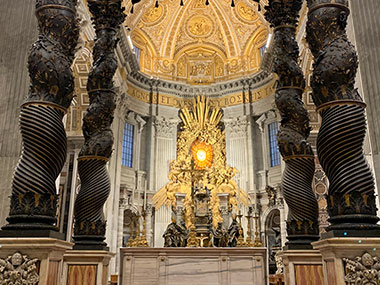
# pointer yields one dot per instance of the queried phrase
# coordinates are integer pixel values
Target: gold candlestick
(131, 239)
(143, 242)
(240, 242)
(257, 242)
(136, 241)
(249, 242)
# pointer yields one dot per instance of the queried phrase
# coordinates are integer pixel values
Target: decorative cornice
(150, 84)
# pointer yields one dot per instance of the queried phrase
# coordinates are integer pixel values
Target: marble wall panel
(309, 274)
(82, 274)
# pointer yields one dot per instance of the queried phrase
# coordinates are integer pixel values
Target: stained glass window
(262, 51)
(275, 158)
(137, 52)
(127, 154)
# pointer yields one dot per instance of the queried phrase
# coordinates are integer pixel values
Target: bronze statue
(233, 232)
(175, 235)
(219, 236)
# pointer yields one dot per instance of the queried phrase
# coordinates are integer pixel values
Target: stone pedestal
(302, 267)
(86, 267)
(357, 253)
(44, 254)
(189, 266)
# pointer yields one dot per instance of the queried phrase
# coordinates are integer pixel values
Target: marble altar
(211, 266)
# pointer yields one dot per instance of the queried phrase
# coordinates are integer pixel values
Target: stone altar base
(190, 266)
(43, 254)
(302, 267)
(336, 251)
(86, 267)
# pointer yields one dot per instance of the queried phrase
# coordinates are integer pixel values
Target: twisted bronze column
(33, 206)
(302, 223)
(351, 199)
(90, 225)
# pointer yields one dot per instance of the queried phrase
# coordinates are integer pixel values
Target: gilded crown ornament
(302, 221)
(351, 195)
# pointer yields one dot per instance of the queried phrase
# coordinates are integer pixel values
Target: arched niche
(273, 237)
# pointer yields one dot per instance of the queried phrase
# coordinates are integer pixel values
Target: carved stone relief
(362, 270)
(19, 269)
(165, 127)
(237, 127)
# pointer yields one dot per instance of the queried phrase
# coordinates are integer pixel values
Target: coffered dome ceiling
(198, 43)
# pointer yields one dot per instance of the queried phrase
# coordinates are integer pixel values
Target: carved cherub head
(16, 259)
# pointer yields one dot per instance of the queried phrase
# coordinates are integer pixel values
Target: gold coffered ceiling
(198, 43)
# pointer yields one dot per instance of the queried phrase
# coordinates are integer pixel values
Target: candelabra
(143, 242)
(240, 241)
(137, 239)
(90, 225)
(33, 205)
(257, 242)
(131, 238)
(302, 222)
(351, 197)
(248, 240)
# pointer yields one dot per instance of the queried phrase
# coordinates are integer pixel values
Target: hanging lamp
(156, 5)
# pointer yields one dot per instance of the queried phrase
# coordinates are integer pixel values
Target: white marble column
(148, 225)
(112, 204)
(237, 152)
(120, 228)
(165, 151)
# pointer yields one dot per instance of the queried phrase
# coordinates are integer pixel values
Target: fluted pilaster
(90, 225)
(44, 144)
(351, 199)
(302, 222)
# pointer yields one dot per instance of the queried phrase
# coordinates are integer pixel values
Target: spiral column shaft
(44, 144)
(351, 199)
(302, 222)
(90, 225)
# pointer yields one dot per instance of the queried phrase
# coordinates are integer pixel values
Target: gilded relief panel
(170, 35)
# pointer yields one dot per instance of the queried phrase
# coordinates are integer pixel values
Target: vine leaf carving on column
(44, 143)
(302, 222)
(351, 197)
(90, 224)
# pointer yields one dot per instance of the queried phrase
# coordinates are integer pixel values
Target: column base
(90, 265)
(45, 254)
(302, 267)
(91, 247)
(338, 252)
(9, 232)
(374, 232)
